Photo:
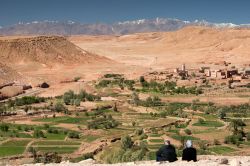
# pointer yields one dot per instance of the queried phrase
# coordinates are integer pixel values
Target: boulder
(44, 85)
(223, 161)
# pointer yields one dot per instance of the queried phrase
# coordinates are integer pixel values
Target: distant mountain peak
(70, 27)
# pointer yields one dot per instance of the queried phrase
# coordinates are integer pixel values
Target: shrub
(77, 102)
(236, 125)
(87, 156)
(77, 79)
(59, 107)
(143, 136)
(188, 131)
(233, 139)
(201, 121)
(115, 108)
(216, 142)
(142, 79)
(126, 142)
(49, 158)
(73, 135)
(202, 145)
(139, 131)
(4, 127)
(248, 136)
(51, 130)
(32, 151)
(46, 126)
(38, 134)
(103, 122)
(221, 113)
(26, 100)
(19, 127)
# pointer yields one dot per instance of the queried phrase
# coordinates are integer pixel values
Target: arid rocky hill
(44, 49)
(7, 74)
(190, 45)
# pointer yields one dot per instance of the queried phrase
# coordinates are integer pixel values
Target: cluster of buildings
(228, 74)
(236, 77)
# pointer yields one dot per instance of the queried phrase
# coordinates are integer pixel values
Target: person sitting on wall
(166, 152)
(189, 153)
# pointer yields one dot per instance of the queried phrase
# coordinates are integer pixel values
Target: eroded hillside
(191, 45)
(44, 49)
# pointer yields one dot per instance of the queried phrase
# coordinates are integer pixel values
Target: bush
(142, 79)
(216, 142)
(233, 139)
(59, 107)
(188, 131)
(248, 136)
(202, 145)
(73, 135)
(126, 142)
(106, 122)
(49, 158)
(115, 108)
(19, 127)
(87, 156)
(221, 113)
(77, 102)
(38, 134)
(26, 100)
(74, 99)
(139, 131)
(143, 136)
(51, 130)
(201, 121)
(77, 79)
(4, 127)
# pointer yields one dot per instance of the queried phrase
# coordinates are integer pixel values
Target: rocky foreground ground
(203, 161)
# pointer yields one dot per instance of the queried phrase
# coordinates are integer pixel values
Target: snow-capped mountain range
(127, 27)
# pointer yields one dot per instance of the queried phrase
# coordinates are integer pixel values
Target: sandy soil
(131, 55)
(192, 45)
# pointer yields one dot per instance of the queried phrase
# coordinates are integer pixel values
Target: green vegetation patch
(57, 149)
(65, 119)
(155, 146)
(56, 143)
(13, 147)
(179, 137)
(222, 149)
(90, 138)
(52, 136)
(156, 140)
(209, 124)
(155, 135)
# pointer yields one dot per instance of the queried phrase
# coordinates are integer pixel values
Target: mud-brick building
(231, 72)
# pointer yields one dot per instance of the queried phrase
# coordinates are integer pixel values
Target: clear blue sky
(91, 11)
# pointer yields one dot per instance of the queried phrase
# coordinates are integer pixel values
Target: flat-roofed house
(218, 74)
(231, 72)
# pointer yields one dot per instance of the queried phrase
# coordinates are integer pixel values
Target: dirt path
(26, 151)
(4, 141)
(93, 147)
